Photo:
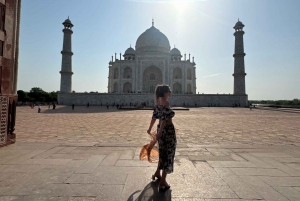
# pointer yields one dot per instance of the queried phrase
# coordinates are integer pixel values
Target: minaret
(239, 64)
(66, 62)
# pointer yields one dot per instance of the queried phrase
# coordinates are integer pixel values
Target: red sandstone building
(9, 53)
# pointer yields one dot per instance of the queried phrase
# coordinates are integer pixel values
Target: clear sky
(201, 28)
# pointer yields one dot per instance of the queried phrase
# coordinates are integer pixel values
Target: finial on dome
(68, 17)
(130, 45)
(152, 22)
(238, 19)
(174, 45)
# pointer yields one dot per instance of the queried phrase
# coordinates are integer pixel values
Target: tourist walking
(39, 108)
(166, 135)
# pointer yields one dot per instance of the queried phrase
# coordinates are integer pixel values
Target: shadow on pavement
(295, 111)
(80, 109)
(150, 192)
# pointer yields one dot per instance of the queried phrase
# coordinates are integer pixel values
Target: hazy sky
(202, 28)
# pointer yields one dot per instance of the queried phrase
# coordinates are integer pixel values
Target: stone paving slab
(230, 154)
(129, 179)
(210, 126)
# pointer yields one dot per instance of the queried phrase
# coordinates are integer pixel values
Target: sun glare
(181, 5)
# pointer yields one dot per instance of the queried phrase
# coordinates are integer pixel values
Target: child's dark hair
(160, 91)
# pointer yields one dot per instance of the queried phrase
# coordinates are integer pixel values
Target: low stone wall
(175, 100)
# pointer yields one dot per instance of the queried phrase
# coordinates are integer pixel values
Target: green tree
(53, 96)
(37, 94)
(22, 95)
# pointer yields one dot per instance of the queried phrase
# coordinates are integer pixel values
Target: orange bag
(150, 151)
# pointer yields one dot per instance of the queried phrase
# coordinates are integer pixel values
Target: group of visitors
(236, 105)
(115, 104)
(32, 106)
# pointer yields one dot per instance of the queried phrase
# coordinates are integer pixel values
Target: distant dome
(239, 24)
(129, 51)
(68, 23)
(152, 40)
(175, 51)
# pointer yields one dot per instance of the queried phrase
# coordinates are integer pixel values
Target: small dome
(68, 23)
(152, 40)
(239, 24)
(175, 51)
(129, 51)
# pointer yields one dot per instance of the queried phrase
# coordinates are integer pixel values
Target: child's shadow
(151, 193)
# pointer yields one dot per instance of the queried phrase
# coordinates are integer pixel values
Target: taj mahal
(133, 76)
(151, 63)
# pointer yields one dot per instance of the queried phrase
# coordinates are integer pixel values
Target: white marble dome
(129, 51)
(175, 51)
(152, 40)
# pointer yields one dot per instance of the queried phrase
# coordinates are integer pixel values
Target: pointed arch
(177, 73)
(127, 73)
(152, 76)
(127, 88)
(177, 88)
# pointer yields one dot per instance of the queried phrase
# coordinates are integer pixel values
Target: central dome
(152, 40)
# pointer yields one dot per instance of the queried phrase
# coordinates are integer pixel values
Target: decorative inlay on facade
(3, 109)
(159, 64)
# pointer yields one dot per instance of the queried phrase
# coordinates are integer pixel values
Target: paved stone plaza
(88, 154)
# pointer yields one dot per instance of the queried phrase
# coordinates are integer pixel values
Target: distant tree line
(294, 102)
(37, 94)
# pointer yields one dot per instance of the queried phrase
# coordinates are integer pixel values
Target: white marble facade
(151, 63)
(132, 79)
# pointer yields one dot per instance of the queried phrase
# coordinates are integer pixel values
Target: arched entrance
(152, 76)
(177, 73)
(127, 88)
(127, 73)
(177, 89)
